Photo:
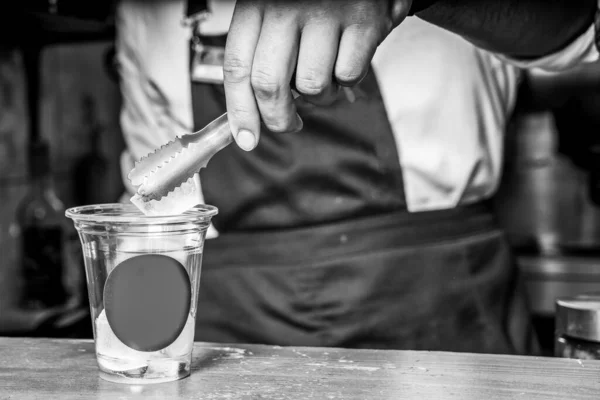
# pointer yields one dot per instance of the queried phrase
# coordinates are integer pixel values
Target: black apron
(317, 248)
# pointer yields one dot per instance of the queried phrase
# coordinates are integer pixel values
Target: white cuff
(582, 50)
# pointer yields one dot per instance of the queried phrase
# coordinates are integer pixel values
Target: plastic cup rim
(129, 214)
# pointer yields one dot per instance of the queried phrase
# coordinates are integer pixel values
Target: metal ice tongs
(166, 175)
(161, 172)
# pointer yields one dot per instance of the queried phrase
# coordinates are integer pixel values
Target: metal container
(578, 327)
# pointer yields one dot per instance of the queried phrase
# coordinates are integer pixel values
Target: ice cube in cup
(184, 343)
(181, 199)
(114, 354)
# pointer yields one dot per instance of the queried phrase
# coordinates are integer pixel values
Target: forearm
(516, 28)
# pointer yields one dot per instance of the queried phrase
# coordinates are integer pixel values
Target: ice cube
(185, 341)
(164, 367)
(116, 355)
(130, 246)
(181, 199)
(122, 368)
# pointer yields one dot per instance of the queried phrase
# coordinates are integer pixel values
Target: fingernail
(299, 124)
(246, 140)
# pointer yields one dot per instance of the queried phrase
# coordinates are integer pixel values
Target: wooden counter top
(66, 369)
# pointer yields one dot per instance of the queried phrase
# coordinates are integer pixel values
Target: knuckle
(240, 113)
(265, 84)
(311, 84)
(362, 13)
(235, 70)
(279, 122)
(348, 75)
(368, 33)
(279, 126)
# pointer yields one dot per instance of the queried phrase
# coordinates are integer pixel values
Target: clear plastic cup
(143, 276)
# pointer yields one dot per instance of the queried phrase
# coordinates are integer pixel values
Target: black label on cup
(147, 301)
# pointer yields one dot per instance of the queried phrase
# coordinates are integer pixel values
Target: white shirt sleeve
(448, 104)
(581, 50)
(153, 58)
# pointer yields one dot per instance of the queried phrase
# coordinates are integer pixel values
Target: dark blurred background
(59, 126)
(60, 145)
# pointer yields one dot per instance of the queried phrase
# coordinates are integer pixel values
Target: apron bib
(316, 247)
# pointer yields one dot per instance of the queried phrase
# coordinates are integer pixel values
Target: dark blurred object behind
(548, 197)
(43, 235)
(90, 172)
(549, 190)
(62, 101)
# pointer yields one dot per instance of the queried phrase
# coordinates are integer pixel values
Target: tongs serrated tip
(149, 163)
(180, 199)
(165, 175)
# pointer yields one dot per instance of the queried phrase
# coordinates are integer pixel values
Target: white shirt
(448, 102)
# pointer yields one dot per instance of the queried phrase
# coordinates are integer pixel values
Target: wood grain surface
(66, 369)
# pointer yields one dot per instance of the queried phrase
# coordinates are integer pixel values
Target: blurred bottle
(90, 186)
(91, 180)
(42, 225)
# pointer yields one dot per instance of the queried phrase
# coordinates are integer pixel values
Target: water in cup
(118, 359)
(143, 275)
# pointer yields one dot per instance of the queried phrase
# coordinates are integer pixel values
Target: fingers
(322, 45)
(272, 70)
(242, 110)
(316, 60)
(357, 48)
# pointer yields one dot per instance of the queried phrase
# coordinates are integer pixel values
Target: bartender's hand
(320, 44)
